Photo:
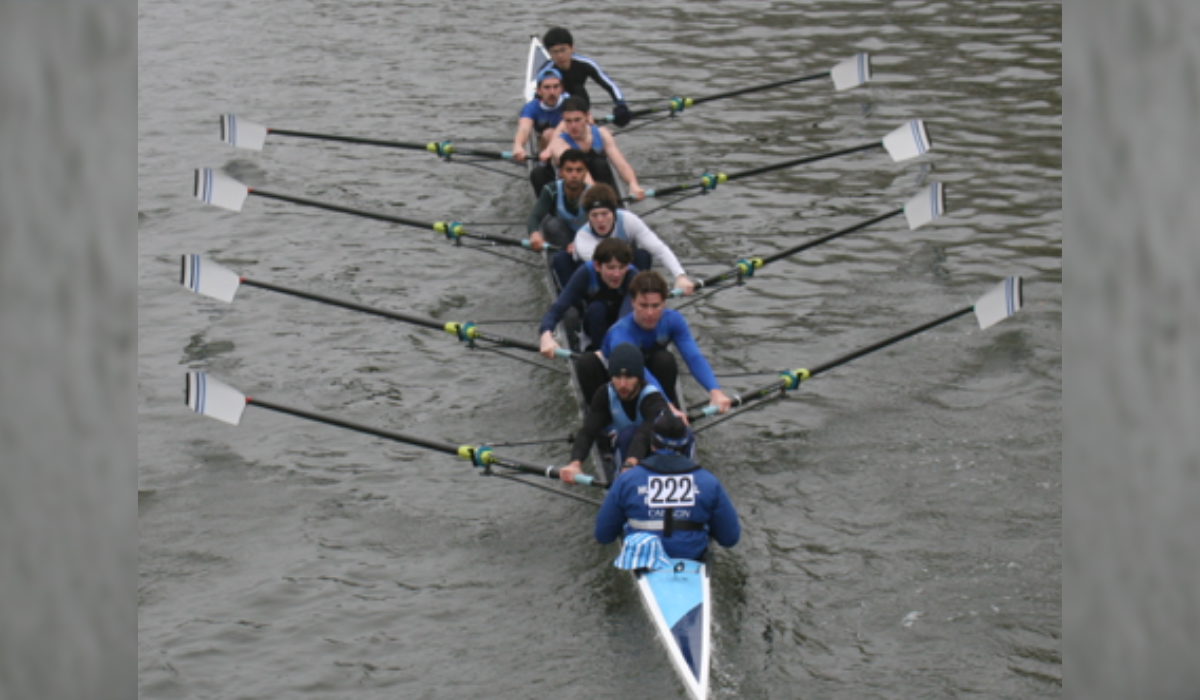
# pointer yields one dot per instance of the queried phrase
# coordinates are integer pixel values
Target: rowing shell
(676, 599)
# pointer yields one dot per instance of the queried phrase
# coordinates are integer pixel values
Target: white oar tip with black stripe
(211, 187)
(925, 206)
(1000, 302)
(908, 141)
(213, 398)
(851, 72)
(206, 277)
(241, 133)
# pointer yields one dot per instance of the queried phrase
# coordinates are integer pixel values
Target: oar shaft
(831, 236)
(825, 367)
(474, 333)
(803, 161)
(674, 189)
(353, 306)
(757, 88)
(378, 216)
(350, 139)
(452, 230)
(801, 375)
(445, 447)
(736, 271)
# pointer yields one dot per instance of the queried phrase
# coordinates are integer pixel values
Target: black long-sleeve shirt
(581, 69)
(599, 417)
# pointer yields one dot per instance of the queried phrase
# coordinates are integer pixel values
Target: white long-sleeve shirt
(636, 233)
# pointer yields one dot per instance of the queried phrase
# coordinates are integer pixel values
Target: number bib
(677, 491)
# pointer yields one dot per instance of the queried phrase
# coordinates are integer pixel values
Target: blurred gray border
(1132, 455)
(68, 450)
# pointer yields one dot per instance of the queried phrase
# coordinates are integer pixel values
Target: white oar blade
(242, 133)
(206, 277)
(925, 207)
(851, 72)
(214, 399)
(908, 141)
(999, 303)
(219, 190)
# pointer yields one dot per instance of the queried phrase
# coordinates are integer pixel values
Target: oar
(243, 133)
(211, 279)
(220, 190)
(904, 143)
(997, 304)
(847, 74)
(918, 211)
(215, 399)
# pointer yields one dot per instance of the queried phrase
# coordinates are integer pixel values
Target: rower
(575, 71)
(599, 289)
(558, 212)
(596, 142)
(541, 114)
(669, 497)
(652, 328)
(617, 410)
(604, 219)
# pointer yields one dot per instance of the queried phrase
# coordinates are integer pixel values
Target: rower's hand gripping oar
(921, 209)
(997, 304)
(847, 74)
(242, 133)
(215, 399)
(905, 142)
(220, 190)
(206, 277)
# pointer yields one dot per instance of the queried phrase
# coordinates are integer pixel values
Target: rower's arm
(624, 169)
(543, 206)
(524, 129)
(598, 416)
(692, 357)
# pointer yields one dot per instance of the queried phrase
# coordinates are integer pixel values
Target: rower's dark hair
(601, 194)
(612, 248)
(574, 103)
(557, 35)
(572, 155)
(648, 282)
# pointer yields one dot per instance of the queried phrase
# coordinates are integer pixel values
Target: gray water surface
(902, 515)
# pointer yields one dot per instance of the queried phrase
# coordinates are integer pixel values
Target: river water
(902, 514)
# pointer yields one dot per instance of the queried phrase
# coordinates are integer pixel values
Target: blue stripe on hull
(689, 635)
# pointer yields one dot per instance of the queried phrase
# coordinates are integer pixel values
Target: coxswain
(644, 498)
(576, 70)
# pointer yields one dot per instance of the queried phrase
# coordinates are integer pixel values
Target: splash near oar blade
(219, 190)
(242, 133)
(213, 398)
(851, 72)
(210, 279)
(908, 141)
(925, 207)
(1001, 301)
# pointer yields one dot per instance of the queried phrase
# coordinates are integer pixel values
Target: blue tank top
(597, 142)
(575, 221)
(620, 419)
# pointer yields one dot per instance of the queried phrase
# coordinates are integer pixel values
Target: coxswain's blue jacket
(625, 511)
